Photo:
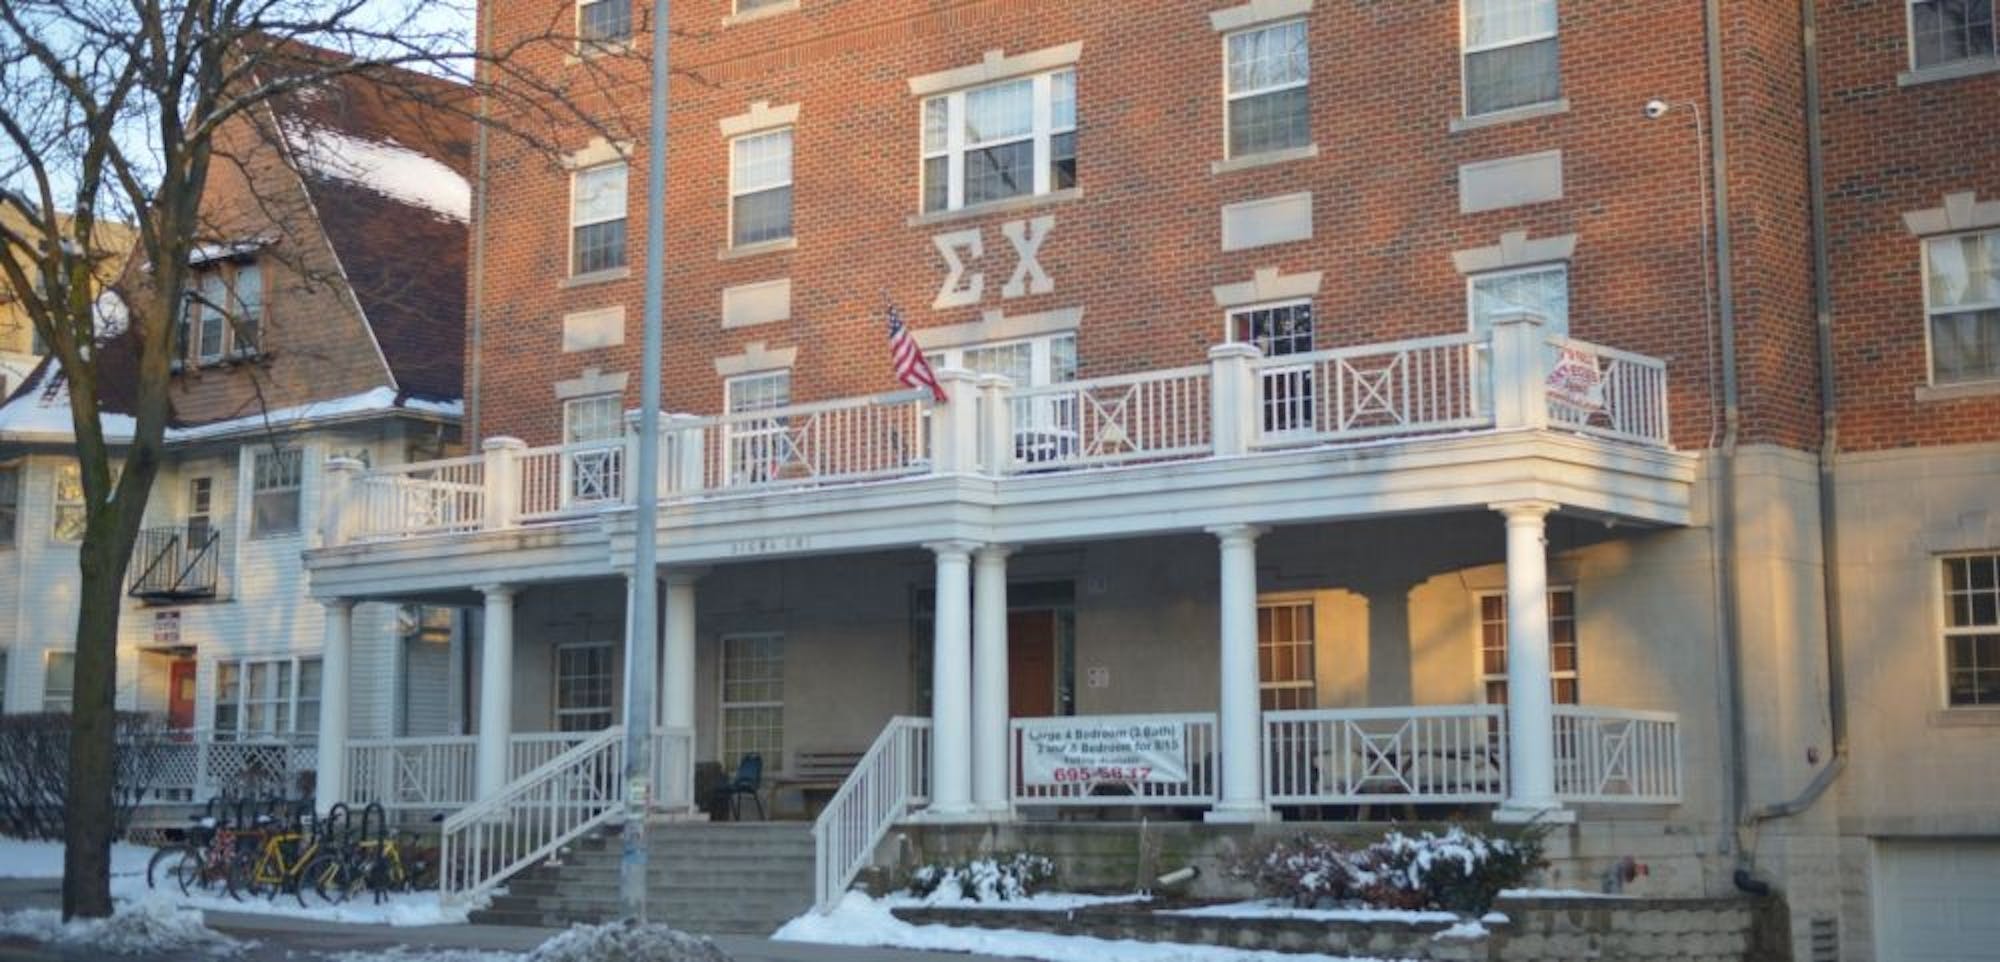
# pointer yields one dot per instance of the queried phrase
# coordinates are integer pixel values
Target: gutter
(477, 302)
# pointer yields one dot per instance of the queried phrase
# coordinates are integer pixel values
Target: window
(10, 504)
(597, 219)
(3, 681)
(1543, 290)
(1045, 427)
(1972, 630)
(1510, 54)
(59, 681)
(1265, 89)
(224, 313)
(596, 460)
(267, 697)
(1009, 139)
(1962, 298)
(1562, 646)
(583, 687)
(1285, 637)
(760, 188)
(753, 699)
(305, 717)
(1278, 330)
(274, 492)
(1948, 31)
(68, 521)
(747, 6)
(604, 21)
(759, 448)
(201, 501)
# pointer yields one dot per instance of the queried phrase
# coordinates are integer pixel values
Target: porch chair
(748, 781)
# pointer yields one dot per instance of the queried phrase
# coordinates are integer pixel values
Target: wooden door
(180, 694)
(1031, 664)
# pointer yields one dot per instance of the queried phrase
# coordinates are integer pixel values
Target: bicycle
(279, 865)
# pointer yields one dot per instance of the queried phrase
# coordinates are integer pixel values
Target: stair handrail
(485, 843)
(889, 781)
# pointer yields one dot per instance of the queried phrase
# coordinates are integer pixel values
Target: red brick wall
(1141, 249)
(1889, 150)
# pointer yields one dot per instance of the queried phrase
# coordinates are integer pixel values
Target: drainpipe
(470, 425)
(1829, 446)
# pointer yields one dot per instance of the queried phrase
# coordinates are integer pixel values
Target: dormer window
(224, 314)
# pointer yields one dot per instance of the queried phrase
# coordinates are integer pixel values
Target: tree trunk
(87, 821)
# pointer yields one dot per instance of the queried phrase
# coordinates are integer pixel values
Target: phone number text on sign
(1070, 752)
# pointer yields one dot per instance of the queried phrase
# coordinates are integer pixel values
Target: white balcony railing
(1239, 403)
(1437, 753)
(1617, 755)
(412, 773)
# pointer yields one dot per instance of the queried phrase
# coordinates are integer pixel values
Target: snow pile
(403, 953)
(390, 169)
(1036, 902)
(1282, 909)
(1462, 930)
(618, 942)
(149, 927)
(24, 859)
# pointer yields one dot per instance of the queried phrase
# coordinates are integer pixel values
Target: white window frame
(228, 316)
(10, 508)
(756, 450)
(1573, 675)
(1466, 50)
(1930, 311)
(1230, 98)
(67, 700)
(258, 488)
(774, 759)
(559, 712)
(1946, 632)
(631, 26)
(62, 508)
(593, 466)
(624, 214)
(1290, 409)
(1041, 421)
(736, 191)
(1042, 132)
(1910, 41)
(242, 699)
(1309, 684)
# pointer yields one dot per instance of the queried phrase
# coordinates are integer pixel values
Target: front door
(180, 694)
(1031, 664)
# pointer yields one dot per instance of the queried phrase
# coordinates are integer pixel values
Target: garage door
(1938, 901)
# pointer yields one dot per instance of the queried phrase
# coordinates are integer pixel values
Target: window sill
(595, 277)
(1953, 392)
(752, 250)
(1264, 159)
(1510, 115)
(1966, 717)
(593, 49)
(1009, 205)
(761, 13)
(1969, 67)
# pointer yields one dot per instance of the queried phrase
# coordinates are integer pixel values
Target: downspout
(1829, 446)
(476, 349)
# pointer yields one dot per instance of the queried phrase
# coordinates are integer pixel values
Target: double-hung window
(603, 21)
(1510, 54)
(1562, 647)
(1286, 392)
(1949, 31)
(276, 477)
(597, 219)
(223, 316)
(59, 681)
(68, 521)
(760, 188)
(759, 447)
(266, 698)
(596, 456)
(10, 503)
(1014, 138)
(583, 686)
(1972, 630)
(1265, 89)
(1286, 676)
(753, 699)
(1962, 298)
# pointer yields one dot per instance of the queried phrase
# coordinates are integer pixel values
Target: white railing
(432, 497)
(535, 816)
(1150, 416)
(1424, 386)
(890, 781)
(1607, 392)
(1440, 753)
(1198, 760)
(527, 751)
(254, 766)
(853, 439)
(1617, 755)
(405, 773)
(570, 478)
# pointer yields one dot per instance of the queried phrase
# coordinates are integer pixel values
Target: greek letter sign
(1104, 750)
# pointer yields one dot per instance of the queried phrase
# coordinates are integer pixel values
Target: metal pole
(643, 624)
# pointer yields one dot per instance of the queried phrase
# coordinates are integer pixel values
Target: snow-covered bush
(991, 878)
(1458, 871)
(151, 927)
(1305, 870)
(619, 942)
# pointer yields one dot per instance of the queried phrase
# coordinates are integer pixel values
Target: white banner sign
(1080, 751)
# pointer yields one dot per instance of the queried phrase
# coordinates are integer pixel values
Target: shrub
(1458, 871)
(34, 770)
(992, 878)
(1304, 869)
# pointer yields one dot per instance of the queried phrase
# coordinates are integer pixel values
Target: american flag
(911, 368)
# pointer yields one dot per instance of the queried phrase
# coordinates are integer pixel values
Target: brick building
(1510, 273)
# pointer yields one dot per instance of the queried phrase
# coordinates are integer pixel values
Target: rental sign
(1069, 752)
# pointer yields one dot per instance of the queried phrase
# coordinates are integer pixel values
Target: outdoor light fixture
(1655, 109)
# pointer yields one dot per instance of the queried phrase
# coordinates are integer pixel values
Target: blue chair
(749, 779)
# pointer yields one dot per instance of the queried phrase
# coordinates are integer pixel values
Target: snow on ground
(20, 859)
(147, 927)
(948, 896)
(1557, 894)
(1463, 930)
(405, 909)
(406, 954)
(1281, 909)
(860, 920)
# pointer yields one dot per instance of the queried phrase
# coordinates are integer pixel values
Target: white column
(677, 678)
(989, 682)
(1238, 737)
(330, 784)
(496, 690)
(1531, 787)
(951, 686)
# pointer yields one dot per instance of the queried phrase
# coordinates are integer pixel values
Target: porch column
(1531, 787)
(990, 791)
(1240, 718)
(330, 783)
(496, 690)
(951, 686)
(677, 676)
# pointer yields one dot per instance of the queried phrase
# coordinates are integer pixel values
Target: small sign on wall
(1097, 677)
(166, 627)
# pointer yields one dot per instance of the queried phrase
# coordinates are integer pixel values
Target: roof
(38, 410)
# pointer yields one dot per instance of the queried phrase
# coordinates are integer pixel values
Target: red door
(180, 695)
(1031, 664)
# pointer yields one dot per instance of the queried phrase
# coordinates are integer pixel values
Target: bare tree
(119, 111)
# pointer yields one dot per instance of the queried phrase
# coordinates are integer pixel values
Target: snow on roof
(40, 412)
(387, 168)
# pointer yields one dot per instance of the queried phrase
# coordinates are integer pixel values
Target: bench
(815, 775)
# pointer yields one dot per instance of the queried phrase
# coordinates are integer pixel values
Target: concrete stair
(725, 878)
